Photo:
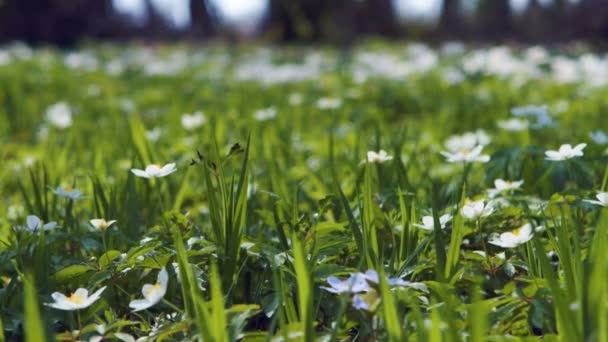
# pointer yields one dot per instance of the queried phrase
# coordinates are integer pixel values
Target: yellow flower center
(516, 232)
(76, 298)
(153, 288)
(69, 188)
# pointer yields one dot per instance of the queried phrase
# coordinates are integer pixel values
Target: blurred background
(66, 22)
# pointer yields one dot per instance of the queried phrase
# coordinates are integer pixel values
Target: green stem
(173, 306)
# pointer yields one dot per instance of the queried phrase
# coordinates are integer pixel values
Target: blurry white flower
(265, 114)
(467, 141)
(77, 300)
(602, 199)
(539, 113)
(154, 134)
(329, 103)
(59, 115)
(476, 209)
(513, 124)
(68, 192)
(467, 156)
(565, 151)
(152, 293)
(372, 276)
(513, 238)
(35, 224)
(193, 121)
(599, 137)
(295, 99)
(101, 224)
(355, 283)
(501, 185)
(428, 223)
(377, 157)
(155, 171)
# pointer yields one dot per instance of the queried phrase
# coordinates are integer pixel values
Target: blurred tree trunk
(534, 23)
(280, 24)
(592, 16)
(156, 26)
(376, 17)
(201, 19)
(494, 19)
(450, 19)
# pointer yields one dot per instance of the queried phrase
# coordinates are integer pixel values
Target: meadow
(389, 192)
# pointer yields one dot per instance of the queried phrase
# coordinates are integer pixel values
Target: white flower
(154, 134)
(599, 137)
(155, 171)
(265, 114)
(295, 99)
(372, 275)
(68, 192)
(513, 238)
(513, 125)
(101, 224)
(59, 115)
(77, 300)
(602, 199)
(377, 157)
(467, 141)
(467, 156)
(329, 103)
(565, 151)
(540, 113)
(35, 224)
(501, 185)
(193, 121)
(355, 283)
(476, 209)
(152, 293)
(428, 223)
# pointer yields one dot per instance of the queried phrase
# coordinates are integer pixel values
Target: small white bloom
(154, 134)
(68, 192)
(467, 141)
(193, 121)
(565, 151)
(599, 137)
(513, 238)
(295, 99)
(372, 276)
(428, 223)
(155, 171)
(501, 185)
(329, 103)
(265, 114)
(355, 283)
(476, 209)
(602, 199)
(513, 125)
(59, 115)
(377, 157)
(466, 156)
(35, 224)
(101, 224)
(152, 293)
(77, 300)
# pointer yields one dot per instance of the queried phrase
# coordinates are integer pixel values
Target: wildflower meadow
(386, 192)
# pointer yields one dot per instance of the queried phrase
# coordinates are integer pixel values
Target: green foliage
(276, 209)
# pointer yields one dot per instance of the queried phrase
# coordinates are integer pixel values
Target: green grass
(249, 233)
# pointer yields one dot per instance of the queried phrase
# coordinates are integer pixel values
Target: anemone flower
(513, 238)
(76, 301)
(152, 293)
(565, 152)
(155, 171)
